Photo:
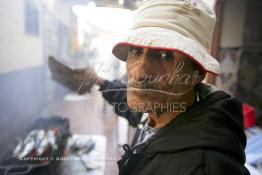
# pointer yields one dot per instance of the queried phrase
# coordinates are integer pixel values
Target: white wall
(17, 50)
(210, 2)
(233, 23)
(62, 12)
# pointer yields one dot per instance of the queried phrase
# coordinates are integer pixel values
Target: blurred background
(81, 33)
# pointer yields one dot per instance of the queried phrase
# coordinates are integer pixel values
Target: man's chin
(141, 103)
(145, 108)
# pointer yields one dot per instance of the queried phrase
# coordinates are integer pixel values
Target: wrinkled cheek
(176, 88)
(132, 68)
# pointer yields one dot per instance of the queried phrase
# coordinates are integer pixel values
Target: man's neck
(160, 119)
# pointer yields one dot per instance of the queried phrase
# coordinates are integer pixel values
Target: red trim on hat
(164, 48)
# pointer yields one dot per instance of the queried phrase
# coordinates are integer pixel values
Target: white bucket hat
(182, 25)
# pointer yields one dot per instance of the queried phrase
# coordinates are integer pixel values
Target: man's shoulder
(165, 163)
(192, 162)
(205, 90)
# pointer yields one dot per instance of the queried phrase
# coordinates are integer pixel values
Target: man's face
(158, 78)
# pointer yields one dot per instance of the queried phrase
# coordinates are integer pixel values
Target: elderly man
(190, 128)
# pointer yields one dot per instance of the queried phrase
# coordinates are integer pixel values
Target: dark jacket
(208, 139)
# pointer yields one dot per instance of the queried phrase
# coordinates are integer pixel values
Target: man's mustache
(142, 84)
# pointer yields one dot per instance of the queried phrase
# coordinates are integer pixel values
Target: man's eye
(166, 55)
(136, 51)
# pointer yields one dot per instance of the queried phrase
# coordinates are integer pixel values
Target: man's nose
(146, 69)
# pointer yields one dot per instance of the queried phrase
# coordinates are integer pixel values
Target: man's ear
(198, 75)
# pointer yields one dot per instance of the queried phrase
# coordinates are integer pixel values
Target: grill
(47, 165)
